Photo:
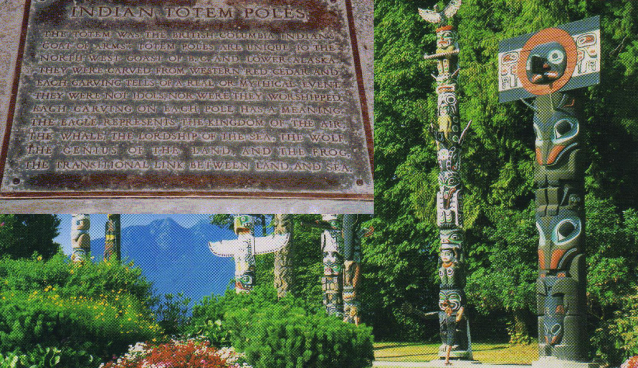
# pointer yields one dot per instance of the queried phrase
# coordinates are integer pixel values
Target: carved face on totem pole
(449, 201)
(450, 298)
(446, 39)
(546, 63)
(555, 138)
(331, 248)
(80, 238)
(450, 260)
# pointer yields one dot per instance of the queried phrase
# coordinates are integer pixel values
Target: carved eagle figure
(441, 18)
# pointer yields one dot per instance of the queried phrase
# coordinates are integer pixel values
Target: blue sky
(98, 221)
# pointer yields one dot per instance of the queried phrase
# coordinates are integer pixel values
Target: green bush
(284, 337)
(86, 279)
(209, 315)
(41, 357)
(282, 333)
(73, 310)
(617, 338)
(172, 313)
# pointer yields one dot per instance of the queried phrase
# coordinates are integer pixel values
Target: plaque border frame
(193, 194)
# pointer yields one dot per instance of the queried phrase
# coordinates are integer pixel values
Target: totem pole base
(551, 362)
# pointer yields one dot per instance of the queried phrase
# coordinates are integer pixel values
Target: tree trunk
(518, 331)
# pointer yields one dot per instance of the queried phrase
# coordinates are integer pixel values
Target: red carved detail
(556, 150)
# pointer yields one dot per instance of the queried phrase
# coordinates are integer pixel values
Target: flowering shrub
(96, 310)
(630, 363)
(178, 354)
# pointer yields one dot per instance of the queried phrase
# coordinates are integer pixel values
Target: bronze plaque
(211, 98)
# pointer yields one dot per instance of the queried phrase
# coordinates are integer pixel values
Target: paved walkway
(439, 363)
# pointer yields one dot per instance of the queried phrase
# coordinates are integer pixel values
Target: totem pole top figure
(555, 59)
(244, 228)
(245, 247)
(441, 18)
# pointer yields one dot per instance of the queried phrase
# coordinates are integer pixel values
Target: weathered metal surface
(201, 98)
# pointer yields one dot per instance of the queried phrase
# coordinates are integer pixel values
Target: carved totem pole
(244, 249)
(112, 244)
(546, 65)
(351, 268)
(332, 280)
(80, 238)
(283, 257)
(449, 139)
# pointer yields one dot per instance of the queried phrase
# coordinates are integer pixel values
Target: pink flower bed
(178, 354)
(630, 363)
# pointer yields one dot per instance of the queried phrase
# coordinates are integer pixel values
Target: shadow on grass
(399, 345)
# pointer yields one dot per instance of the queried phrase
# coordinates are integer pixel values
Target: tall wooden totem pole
(547, 65)
(332, 250)
(244, 248)
(351, 268)
(112, 243)
(80, 238)
(454, 326)
(283, 257)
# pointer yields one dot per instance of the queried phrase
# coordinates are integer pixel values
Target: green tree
(22, 235)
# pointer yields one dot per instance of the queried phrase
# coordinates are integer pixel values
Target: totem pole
(454, 326)
(546, 65)
(80, 238)
(283, 257)
(351, 268)
(332, 250)
(244, 249)
(112, 238)
(332, 280)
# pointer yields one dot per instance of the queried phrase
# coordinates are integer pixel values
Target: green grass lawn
(485, 353)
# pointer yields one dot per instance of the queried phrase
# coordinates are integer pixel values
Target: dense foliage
(22, 235)
(497, 168)
(281, 333)
(74, 313)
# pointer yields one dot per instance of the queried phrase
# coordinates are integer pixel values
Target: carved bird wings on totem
(436, 17)
(225, 248)
(261, 245)
(271, 243)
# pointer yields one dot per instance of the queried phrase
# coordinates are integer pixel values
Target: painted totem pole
(80, 238)
(112, 245)
(332, 250)
(283, 257)
(351, 268)
(449, 199)
(546, 65)
(244, 249)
